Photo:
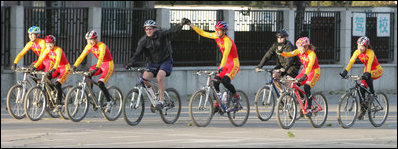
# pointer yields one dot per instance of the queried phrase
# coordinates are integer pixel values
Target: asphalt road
(96, 131)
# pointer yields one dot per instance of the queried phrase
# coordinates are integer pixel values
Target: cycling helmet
(364, 41)
(303, 41)
(221, 25)
(50, 38)
(282, 33)
(91, 35)
(34, 30)
(150, 23)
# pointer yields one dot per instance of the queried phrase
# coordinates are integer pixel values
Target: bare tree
(299, 20)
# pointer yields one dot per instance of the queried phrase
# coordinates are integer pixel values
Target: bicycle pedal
(153, 110)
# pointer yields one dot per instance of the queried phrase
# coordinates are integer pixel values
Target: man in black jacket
(156, 46)
(285, 65)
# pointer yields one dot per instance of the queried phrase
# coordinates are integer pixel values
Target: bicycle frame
(273, 89)
(141, 86)
(296, 91)
(46, 86)
(210, 87)
(24, 83)
(357, 87)
(83, 84)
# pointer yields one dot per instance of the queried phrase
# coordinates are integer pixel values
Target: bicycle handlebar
(80, 72)
(23, 69)
(284, 79)
(138, 69)
(206, 72)
(353, 77)
(39, 72)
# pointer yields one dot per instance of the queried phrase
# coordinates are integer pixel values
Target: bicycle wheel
(239, 118)
(320, 111)
(35, 103)
(15, 99)
(171, 113)
(347, 110)
(264, 103)
(378, 110)
(132, 111)
(200, 108)
(286, 108)
(116, 109)
(62, 112)
(76, 104)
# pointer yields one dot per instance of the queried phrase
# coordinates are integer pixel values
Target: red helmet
(221, 25)
(91, 35)
(363, 41)
(50, 38)
(303, 41)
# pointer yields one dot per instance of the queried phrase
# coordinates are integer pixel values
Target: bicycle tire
(258, 102)
(72, 105)
(175, 98)
(196, 117)
(244, 112)
(117, 96)
(373, 108)
(17, 111)
(126, 105)
(41, 104)
(62, 112)
(286, 103)
(314, 121)
(353, 103)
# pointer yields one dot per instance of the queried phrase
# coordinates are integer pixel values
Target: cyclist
(59, 66)
(104, 65)
(36, 44)
(285, 66)
(156, 46)
(229, 66)
(311, 72)
(372, 70)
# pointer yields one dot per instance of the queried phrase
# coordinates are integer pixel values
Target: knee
(216, 80)
(307, 88)
(160, 79)
(226, 80)
(101, 84)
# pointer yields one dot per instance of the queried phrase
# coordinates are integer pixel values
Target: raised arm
(352, 60)
(203, 33)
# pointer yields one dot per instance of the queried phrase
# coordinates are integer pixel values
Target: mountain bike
(42, 98)
(348, 107)
(134, 103)
(16, 94)
(287, 107)
(79, 97)
(201, 108)
(264, 101)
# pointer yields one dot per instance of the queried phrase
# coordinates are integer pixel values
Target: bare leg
(160, 78)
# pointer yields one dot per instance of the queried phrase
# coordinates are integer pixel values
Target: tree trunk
(299, 20)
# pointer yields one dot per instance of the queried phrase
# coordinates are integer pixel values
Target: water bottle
(224, 97)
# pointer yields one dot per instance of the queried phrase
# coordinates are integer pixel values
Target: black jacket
(284, 62)
(157, 48)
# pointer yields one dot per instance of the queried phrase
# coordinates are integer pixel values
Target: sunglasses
(149, 28)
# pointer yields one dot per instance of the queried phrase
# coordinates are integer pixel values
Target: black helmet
(282, 33)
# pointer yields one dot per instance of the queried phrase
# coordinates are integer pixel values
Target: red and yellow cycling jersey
(308, 59)
(310, 66)
(369, 59)
(36, 47)
(230, 59)
(100, 51)
(55, 55)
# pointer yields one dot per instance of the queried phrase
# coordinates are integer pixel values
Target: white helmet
(150, 23)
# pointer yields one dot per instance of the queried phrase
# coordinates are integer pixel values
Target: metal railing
(68, 25)
(382, 46)
(323, 29)
(255, 33)
(5, 36)
(121, 29)
(189, 48)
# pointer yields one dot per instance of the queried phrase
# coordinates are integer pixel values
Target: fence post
(229, 17)
(94, 23)
(16, 35)
(288, 24)
(395, 37)
(163, 18)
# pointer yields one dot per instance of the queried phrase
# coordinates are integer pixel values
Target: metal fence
(68, 25)
(121, 29)
(5, 36)
(189, 48)
(382, 46)
(255, 33)
(323, 29)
